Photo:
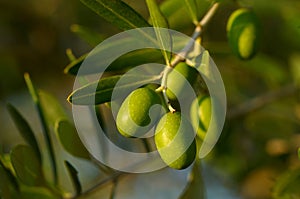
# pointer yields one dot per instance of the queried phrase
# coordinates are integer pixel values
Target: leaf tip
(70, 98)
(26, 75)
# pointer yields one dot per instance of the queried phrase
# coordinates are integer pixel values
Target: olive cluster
(174, 132)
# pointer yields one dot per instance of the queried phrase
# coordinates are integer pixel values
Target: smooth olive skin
(176, 146)
(176, 84)
(243, 33)
(133, 118)
(200, 114)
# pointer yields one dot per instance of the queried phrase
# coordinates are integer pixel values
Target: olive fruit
(179, 78)
(175, 140)
(133, 118)
(243, 33)
(201, 114)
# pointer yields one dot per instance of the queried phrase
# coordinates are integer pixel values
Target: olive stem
(180, 57)
(163, 87)
(210, 13)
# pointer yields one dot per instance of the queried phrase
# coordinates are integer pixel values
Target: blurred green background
(255, 148)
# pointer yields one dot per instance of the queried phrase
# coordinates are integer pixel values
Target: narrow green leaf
(192, 10)
(74, 176)
(31, 88)
(195, 187)
(124, 62)
(51, 107)
(299, 153)
(27, 165)
(5, 173)
(159, 21)
(117, 12)
(136, 58)
(68, 136)
(73, 67)
(38, 193)
(70, 55)
(100, 92)
(46, 131)
(24, 129)
(91, 37)
(157, 17)
(85, 94)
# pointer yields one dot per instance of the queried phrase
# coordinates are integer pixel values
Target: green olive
(133, 118)
(175, 140)
(177, 83)
(201, 114)
(243, 33)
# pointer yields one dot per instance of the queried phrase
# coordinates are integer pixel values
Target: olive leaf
(100, 91)
(91, 37)
(67, 134)
(41, 113)
(124, 62)
(86, 94)
(70, 55)
(105, 54)
(159, 21)
(195, 187)
(117, 12)
(51, 108)
(27, 165)
(74, 176)
(58, 120)
(24, 129)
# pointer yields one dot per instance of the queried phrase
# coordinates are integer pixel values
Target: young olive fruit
(175, 140)
(133, 118)
(243, 33)
(179, 78)
(201, 114)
